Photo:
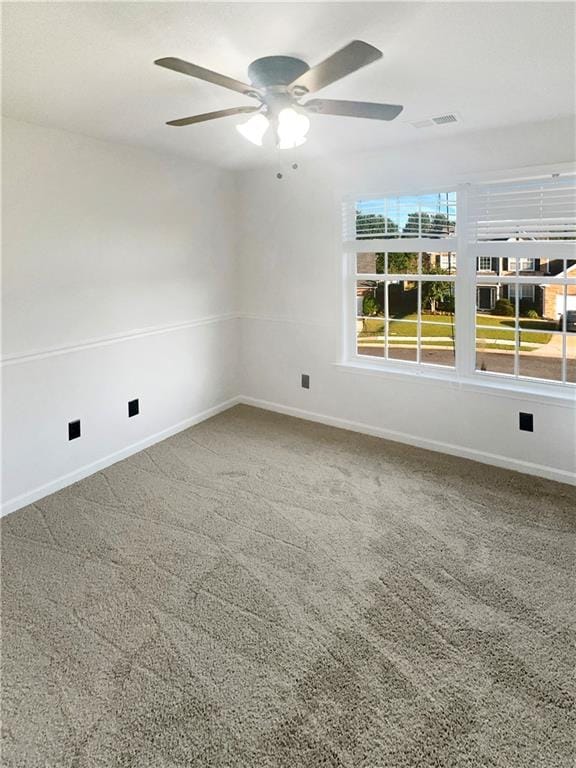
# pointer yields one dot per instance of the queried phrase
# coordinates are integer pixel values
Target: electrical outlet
(526, 422)
(73, 430)
(133, 408)
(305, 381)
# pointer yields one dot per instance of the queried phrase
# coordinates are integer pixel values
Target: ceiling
(88, 67)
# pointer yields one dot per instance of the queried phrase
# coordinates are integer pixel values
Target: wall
(291, 257)
(124, 272)
(119, 280)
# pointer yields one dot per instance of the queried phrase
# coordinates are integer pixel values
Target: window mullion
(349, 307)
(465, 291)
(419, 322)
(517, 337)
(564, 338)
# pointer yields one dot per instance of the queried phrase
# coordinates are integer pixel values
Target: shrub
(447, 304)
(526, 306)
(503, 307)
(403, 299)
(532, 314)
(370, 306)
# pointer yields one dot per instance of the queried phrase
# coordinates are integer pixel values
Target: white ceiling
(87, 67)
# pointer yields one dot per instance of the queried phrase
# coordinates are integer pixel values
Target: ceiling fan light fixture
(292, 128)
(254, 129)
(279, 83)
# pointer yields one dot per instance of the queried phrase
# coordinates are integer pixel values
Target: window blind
(523, 210)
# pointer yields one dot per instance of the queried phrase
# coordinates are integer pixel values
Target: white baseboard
(494, 459)
(17, 502)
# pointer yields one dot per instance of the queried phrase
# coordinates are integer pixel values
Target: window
(405, 308)
(521, 265)
(404, 293)
(528, 228)
(523, 291)
(414, 271)
(521, 332)
(430, 216)
(485, 264)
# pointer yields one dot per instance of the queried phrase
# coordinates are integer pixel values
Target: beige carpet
(261, 591)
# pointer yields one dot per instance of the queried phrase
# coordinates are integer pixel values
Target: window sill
(551, 394)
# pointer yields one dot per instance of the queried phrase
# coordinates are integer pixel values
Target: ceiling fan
(279, 84)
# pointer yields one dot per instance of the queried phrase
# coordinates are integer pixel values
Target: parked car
(570, 321)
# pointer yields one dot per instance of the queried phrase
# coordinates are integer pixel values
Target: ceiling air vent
(444, 119)
(430, 122)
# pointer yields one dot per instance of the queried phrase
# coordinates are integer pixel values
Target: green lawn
(441, 325)
(508, 322)
(490, 329)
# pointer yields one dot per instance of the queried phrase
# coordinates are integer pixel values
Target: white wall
(291, 258)
(124, 272)
(119, 281)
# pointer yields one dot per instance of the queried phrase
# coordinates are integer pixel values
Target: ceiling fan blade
(353, 56)
(365, 109)
(186, 68)
(213, 115)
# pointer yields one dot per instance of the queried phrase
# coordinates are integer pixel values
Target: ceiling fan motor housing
(272, 71)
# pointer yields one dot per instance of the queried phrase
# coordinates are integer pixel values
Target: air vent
(444, 119)
(430, 122)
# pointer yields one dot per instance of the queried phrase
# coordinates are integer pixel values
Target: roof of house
(556, 267)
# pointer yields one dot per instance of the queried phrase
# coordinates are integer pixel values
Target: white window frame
(485, 268)
(466, 282)
(525, 264)
(393, 277)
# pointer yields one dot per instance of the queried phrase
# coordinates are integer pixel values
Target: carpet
(264, 592)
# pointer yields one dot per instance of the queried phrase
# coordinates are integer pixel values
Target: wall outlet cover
(133, 408)
(73, 429)
(305, 381)
(526, 422)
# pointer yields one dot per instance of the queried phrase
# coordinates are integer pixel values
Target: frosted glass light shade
(292, 128)
(254, 129)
